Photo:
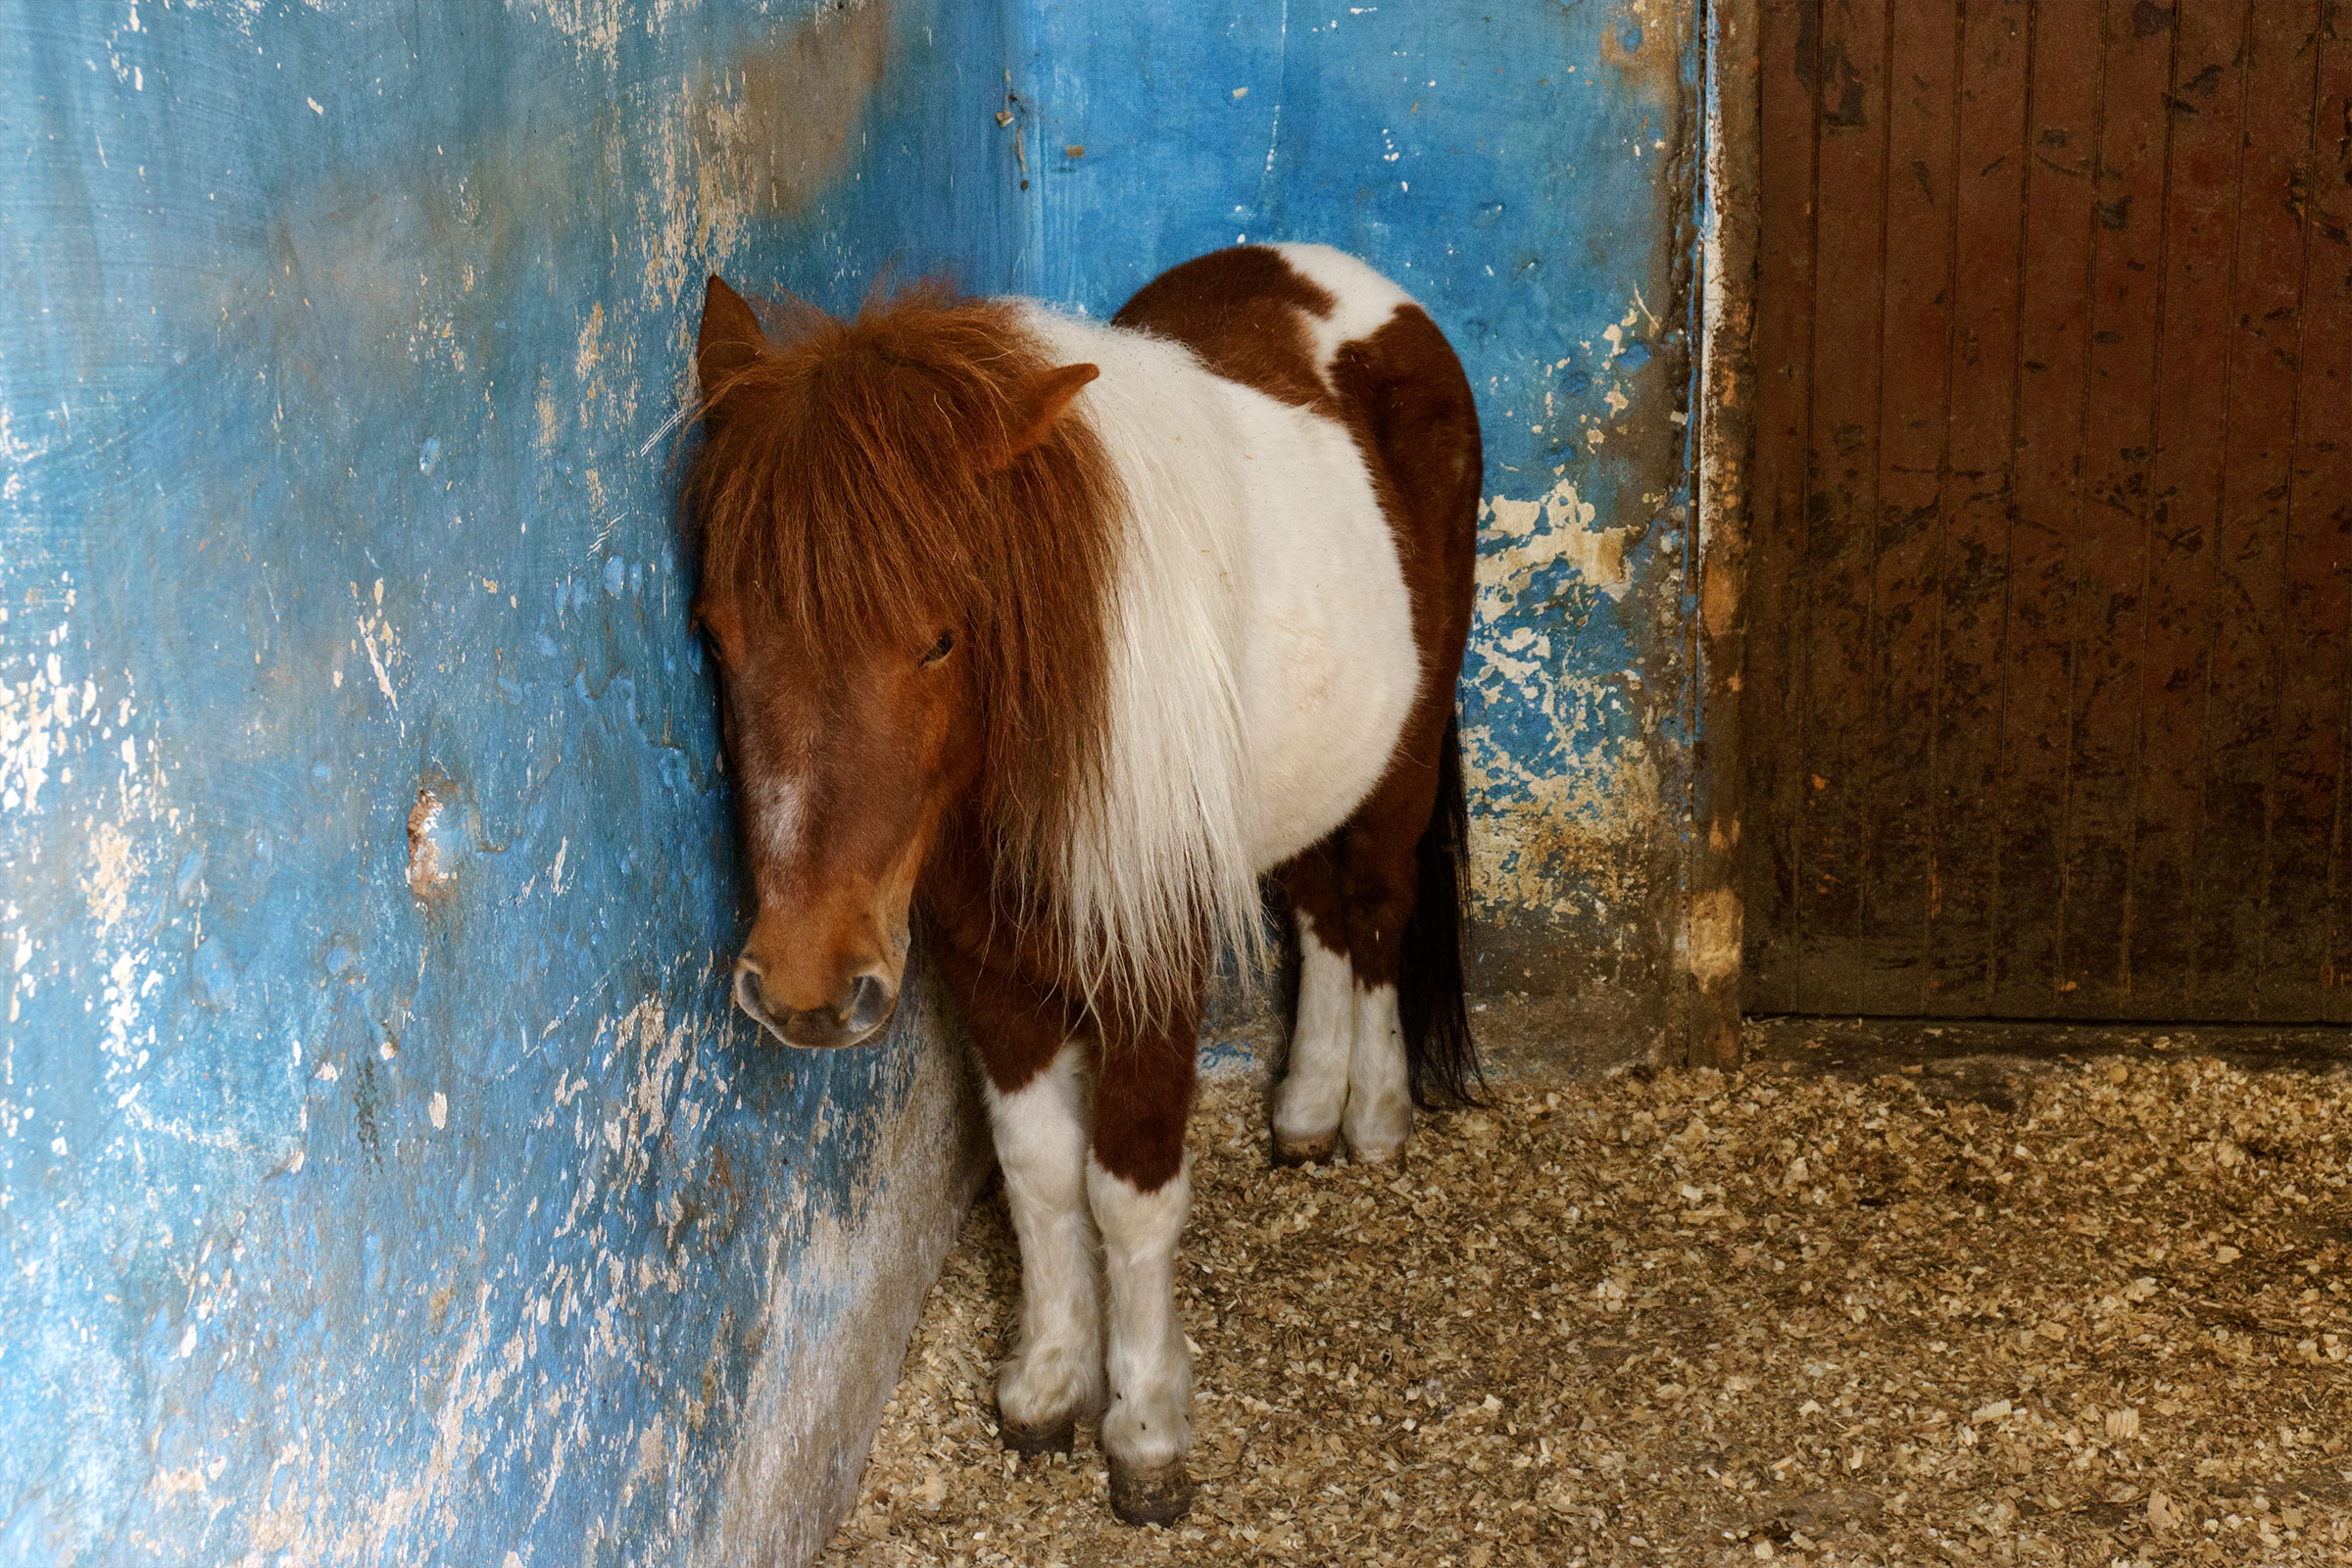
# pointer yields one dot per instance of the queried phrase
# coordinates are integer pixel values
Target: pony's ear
(1032, 408)
(730, 337)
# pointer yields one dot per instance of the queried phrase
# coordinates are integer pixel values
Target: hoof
(1375, 1157)
(1155, 1497)
(1306, 1151)
(1033, 1441)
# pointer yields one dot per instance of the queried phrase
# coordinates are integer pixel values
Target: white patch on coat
(780, 812)
(1332, 669)
(1314, 1092)
(1149, 1422)
(1380, 1092)
(1040, 1137)
(1260, 650)
(1363, 300)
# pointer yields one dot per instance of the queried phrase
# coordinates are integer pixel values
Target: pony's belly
(1333, 667)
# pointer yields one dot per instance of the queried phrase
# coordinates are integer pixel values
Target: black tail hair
(1439, 1053)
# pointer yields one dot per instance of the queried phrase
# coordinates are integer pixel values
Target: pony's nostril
(864, 1009)
(748, 996)
(869, 1002)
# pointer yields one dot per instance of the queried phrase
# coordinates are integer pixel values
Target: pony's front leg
(1036, 1109)
(1056, 1374)
(1140, 1182)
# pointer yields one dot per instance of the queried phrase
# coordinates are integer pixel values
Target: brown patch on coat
(1239, 309)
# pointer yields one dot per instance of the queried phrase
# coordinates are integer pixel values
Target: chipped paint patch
(114, 861)
(430, 870)
(1551, 831)
(1642, 39)
(1518, 539)
(594, 26)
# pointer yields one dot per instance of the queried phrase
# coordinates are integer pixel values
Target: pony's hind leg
(1379, 1090)
(1353, 896)
(1313, 1093)
(1139, 1181)
(1380, 880)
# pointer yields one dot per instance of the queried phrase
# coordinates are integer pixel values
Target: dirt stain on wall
(780, 127)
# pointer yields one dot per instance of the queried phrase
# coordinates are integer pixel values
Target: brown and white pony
(1063, 635)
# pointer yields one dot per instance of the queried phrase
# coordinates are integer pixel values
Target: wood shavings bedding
(1690, 1318)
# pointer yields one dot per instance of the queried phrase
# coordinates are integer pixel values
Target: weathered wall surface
(383, 1177)
(1523, 168)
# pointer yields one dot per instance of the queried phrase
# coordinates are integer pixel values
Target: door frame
(1723, 445)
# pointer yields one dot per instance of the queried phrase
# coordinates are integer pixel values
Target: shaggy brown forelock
(850, 485)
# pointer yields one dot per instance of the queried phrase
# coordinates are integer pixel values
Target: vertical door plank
(1915, 349)
(2299, 979)
(2336, 130)
(2250, 539)
(1849, 275)
(1789, 51)
(2054, 342)
(1975, 575)
(2108, 549)
(2184, 481)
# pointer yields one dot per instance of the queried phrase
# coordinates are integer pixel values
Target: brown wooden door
(2051, 593)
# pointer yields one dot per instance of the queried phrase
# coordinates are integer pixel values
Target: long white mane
(1156, 869)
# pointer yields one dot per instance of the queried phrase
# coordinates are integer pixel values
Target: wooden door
(2047, 680)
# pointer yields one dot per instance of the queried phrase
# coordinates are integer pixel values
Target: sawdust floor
(2095, 1312)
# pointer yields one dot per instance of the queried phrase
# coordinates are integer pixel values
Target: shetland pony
(1062, 635)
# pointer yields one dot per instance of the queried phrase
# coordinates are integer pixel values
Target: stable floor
(1954, 1309)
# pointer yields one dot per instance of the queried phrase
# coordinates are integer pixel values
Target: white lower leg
(1040, 1135)
(1380, 1095)
(1150, 1420)
(1309, 1101)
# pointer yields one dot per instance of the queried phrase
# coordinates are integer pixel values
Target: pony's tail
(1440, 1055)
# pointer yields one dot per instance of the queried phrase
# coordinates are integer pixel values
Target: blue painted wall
(1523, 168)
(356, 1204)
(383, 1178)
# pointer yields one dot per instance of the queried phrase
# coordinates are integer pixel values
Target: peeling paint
(1550, 832)
(383, 1173)
(1520, 538)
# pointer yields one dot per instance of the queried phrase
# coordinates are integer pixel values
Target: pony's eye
(941, 649)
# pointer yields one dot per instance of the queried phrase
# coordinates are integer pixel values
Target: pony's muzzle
(854, 1019)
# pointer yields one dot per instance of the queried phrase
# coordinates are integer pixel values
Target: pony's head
(904, 546)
